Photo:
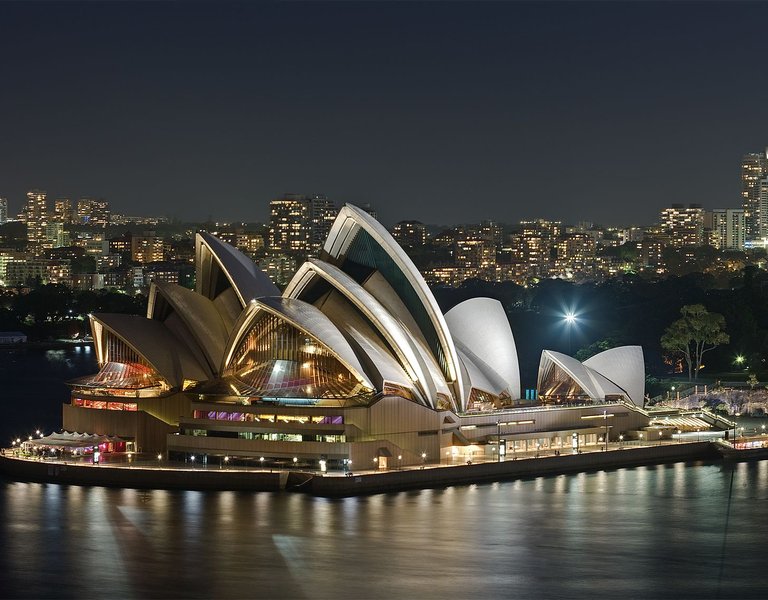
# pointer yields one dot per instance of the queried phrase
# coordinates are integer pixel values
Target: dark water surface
(673, 531)
(33, 388)
(682, 531)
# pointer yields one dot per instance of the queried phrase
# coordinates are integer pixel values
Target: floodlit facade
(354, 361)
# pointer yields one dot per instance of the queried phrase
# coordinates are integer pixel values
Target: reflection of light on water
(679, 479)
(55, 354)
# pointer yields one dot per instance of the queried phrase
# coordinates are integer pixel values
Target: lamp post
(605, 418)
(498, 441)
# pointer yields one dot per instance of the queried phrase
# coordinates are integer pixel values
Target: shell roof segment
(247, 280)
(156, 344)
(360, 246)
(482, 327)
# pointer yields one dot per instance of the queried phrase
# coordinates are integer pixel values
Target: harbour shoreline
(324, 485)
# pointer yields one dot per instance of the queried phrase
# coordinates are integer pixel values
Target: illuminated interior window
(558, 386)
(277, 359)
(124, 369)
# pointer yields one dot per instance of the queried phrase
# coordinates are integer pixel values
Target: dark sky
(445, 112)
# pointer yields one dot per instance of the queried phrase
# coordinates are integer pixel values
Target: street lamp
(498, 440)
(423, 459)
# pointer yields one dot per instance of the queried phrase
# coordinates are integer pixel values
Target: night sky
(446, 112)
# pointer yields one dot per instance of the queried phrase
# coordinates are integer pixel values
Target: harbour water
(679, 530)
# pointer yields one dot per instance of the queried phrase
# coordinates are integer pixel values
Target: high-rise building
(754, 169)
(323, 215)
(35, 215)
(290, 224)
(3, 210)
(63, 212)
(728, 228)
(683, 225)
(535, 245)
(147, 248)
(410, 233)
(576, 253)
(55, 236)
(94, 212)
(492, 231)
(299, 225)
(475, 253)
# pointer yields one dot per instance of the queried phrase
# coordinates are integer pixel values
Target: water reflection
(646, 532)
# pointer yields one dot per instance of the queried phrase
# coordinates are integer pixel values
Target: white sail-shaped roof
(215, 258)
(356, 243)
(595, 385)
(481, 325)
(418, 362)
(624, 366)
(201, 322)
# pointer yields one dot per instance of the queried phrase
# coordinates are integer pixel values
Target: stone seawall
(141, 478)
(334, 486)
(512, 469)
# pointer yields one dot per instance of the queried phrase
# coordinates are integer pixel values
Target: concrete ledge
(512, 469)
(141, 478)
(373, 483)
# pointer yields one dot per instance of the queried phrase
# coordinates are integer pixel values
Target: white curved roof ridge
(306, 318)
(155, 343)
(248, 281)
(199, 314)
(481, 324)
(341, 236)
(408, 351)
(482, 376)
(477, 377)
(624, 366)
(377, 359)
(593, 383)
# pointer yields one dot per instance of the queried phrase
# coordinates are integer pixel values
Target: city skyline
(508, 111)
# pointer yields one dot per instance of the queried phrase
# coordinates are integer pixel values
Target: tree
(697, 332)
(752, 381)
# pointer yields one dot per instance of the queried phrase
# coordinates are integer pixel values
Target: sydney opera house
(353, 361)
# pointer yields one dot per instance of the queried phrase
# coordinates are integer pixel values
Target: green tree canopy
(697, 332)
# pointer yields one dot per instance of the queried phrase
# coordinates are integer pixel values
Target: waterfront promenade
(146, 472)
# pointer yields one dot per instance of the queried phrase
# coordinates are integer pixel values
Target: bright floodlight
(570, 318)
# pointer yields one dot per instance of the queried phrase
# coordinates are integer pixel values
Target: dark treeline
(56, 311)
(628, 310)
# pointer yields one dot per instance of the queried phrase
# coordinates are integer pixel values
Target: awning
(67, 439)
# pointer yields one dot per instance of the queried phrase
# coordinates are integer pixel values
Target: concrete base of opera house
(157, 477)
